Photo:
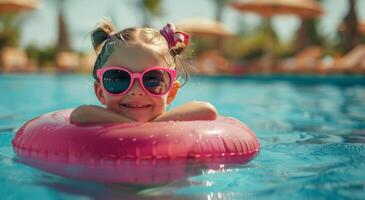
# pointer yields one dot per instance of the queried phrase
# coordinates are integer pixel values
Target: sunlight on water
(312, 139)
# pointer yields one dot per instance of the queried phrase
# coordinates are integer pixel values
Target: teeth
(134, 106)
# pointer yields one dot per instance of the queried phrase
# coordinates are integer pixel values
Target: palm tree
(63, 35)
(307, 34)
(219, 8)
(150, 9)
(10, 29)
(351, 34)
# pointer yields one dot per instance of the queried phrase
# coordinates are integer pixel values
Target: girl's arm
(190, 111)
(96, 114)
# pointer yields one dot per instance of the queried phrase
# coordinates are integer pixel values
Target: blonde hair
(105, 39)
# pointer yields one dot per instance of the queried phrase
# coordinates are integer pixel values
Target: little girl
(135, 77)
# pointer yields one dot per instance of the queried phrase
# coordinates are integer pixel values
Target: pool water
(311, 131)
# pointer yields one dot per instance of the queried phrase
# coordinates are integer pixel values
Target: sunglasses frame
(100, 73)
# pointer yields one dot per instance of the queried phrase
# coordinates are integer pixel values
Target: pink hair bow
(173, 37)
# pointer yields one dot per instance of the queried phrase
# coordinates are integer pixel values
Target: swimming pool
(311, 130)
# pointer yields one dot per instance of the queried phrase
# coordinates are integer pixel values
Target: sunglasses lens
(116, 81)
(157, 81)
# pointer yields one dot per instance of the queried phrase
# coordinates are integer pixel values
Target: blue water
(311, 130)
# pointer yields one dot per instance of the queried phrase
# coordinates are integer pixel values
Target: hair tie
(173, 37)
(109, 36)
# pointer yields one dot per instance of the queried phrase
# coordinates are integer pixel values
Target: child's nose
(136, 89)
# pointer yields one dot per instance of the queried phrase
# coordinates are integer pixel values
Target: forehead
(136, 58)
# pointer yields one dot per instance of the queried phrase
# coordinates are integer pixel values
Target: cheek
(112, 103)
(160, 103)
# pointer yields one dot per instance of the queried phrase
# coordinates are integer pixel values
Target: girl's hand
(195, 110)
(96, 114)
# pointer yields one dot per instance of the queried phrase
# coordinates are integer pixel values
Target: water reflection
(312, 141)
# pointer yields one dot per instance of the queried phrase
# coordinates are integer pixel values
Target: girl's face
(136, 104)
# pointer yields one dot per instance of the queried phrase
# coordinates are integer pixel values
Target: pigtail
(103, 31)
(183, 41)
(177, 50)
(177, 41)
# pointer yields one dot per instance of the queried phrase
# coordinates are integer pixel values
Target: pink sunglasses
(156, 81)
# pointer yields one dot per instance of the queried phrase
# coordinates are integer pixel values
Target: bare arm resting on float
(195, 110)
(190, 111)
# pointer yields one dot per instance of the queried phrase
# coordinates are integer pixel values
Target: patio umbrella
(18, 5)
(204, 27)
(267, 8)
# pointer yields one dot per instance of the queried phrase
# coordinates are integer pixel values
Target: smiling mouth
(135, 106)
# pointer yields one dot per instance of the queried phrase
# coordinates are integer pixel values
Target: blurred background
(230, 37)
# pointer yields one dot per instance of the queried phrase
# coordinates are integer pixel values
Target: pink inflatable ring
(139, 153)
